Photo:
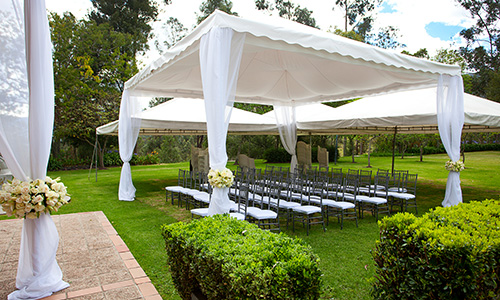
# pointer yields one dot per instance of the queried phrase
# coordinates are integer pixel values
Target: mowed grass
(345, 255)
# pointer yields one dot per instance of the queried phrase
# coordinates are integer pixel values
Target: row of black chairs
(310, 197)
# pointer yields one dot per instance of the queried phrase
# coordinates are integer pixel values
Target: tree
(387, 38)
(288, 10)
(353, 35)
(90, 68)
(174, 31)
(129, 17)
(450, 57)
(421, 53)
(209, 6)
(483, 40)
(356, 12)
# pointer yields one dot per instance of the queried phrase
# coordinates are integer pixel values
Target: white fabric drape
(27, 117)
(128, 131)
(450, 115)
(287, 125)
(220, 56)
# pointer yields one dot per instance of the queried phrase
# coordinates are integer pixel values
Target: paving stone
(91, 255)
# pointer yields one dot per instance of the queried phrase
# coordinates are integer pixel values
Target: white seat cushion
(307, 209)
(175, 189)
(262, 214)
(341, 204)
(202, 197)
(405, 196)
(192, 192)
(375, 200)
(328, 201)
(381, 193)
(284, 204)
(362, 197)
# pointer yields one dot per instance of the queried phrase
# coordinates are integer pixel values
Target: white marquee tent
(284, 64)
(403, 112)
(186, 116)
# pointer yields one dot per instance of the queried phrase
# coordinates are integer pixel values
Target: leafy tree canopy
(358, 15)
(90, 68)
(288, 10)
(481, 53)
(357, 12)
(127, 16)
(209, 6)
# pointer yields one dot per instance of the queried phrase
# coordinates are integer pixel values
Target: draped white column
(128, 131)
(26, 122)
(450, 116)
(287, 126)
(220, 56)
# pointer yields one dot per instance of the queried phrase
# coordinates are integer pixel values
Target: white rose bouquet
(24, 199)
(456, 166)
(220, 179)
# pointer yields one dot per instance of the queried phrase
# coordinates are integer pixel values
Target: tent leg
(96, 157)
(336, 150)
(94, 154)
(394, 147)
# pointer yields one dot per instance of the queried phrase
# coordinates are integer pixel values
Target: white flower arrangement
(456, 166)
(24, 199)
(220, 179)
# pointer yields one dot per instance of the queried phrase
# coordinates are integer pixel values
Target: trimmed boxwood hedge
(449, 253)
(277, 155)
(229, 259)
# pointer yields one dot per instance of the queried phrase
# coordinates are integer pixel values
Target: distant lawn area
(345, 255)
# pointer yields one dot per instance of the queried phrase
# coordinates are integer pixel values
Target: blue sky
(387, 8)
(442, 31)
(439, 30)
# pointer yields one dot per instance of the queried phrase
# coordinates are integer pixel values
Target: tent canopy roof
(411, 111)
(378, 114)
(284, 62)
(185, 116)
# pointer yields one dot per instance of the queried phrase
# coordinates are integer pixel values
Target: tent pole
(92, 161)
(96, 156)
(335, 150)
(394, 147)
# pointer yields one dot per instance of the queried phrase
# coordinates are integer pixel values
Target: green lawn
(345, 254)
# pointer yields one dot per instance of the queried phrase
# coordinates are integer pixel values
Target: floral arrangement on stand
(27, 199)
(220, 179)
(456, 166)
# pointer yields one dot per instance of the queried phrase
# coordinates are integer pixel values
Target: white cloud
(412, 16)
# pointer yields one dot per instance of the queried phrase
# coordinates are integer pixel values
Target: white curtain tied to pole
(128, 131)
(220, 56)
(26, 122)
(287, 125)
(450, 116)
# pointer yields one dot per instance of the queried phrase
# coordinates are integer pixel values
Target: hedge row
(229, 259)
(449, 253)
(280, 155)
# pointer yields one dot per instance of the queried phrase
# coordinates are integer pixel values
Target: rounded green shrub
(229, 259)
(449, 253)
